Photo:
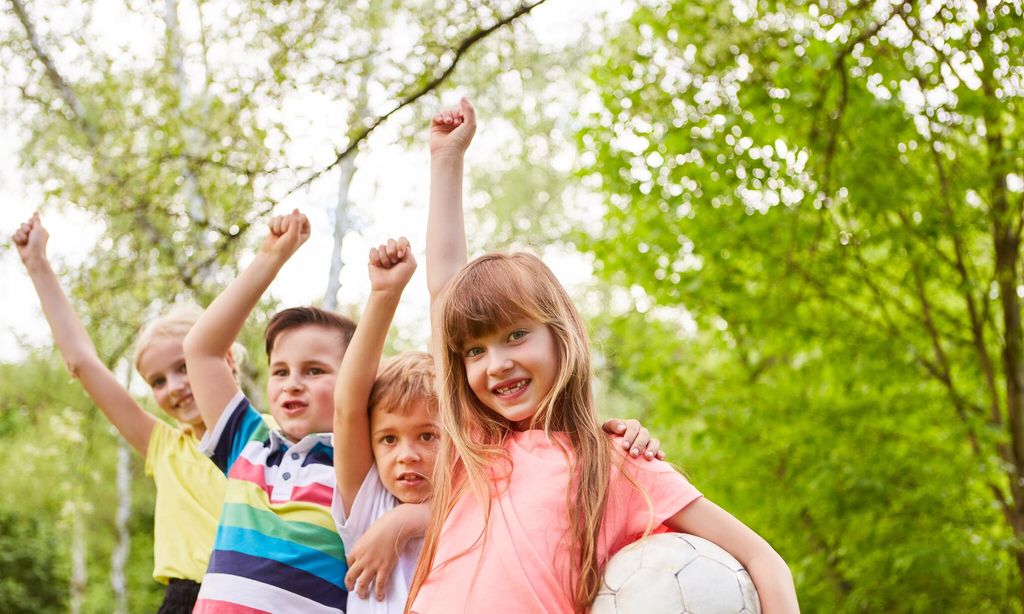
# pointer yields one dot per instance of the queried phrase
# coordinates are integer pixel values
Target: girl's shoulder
(632, 466)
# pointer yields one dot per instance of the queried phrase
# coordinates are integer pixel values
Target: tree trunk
(341, 226)
(346, 172)
(79, 570)
(197, 206)
(1006, 239)
(119, 557)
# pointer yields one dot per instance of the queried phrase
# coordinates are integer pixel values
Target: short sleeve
(156, 449)
(236, 426)
(642, 495)
(371, 502)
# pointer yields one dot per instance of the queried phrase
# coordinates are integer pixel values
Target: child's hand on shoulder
(391, 266)
(30, 240)
(635, 438)
(287, 234)
(452, 130)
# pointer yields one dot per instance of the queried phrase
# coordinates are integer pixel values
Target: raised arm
(451, 132)
(134, 423)
(209, 341)
(391, 266)
(771, 575)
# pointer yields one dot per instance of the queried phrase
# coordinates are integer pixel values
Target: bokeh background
(794, 229)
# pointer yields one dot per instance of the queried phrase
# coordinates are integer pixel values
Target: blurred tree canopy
(829, 195)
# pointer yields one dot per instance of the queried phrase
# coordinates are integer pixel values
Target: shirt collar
(279, 439)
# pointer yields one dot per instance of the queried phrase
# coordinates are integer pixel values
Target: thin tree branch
(457, 54)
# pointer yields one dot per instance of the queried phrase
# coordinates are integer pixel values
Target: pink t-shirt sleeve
(630, 513)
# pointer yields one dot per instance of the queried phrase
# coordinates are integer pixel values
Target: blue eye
(518, 334)
(475, 351)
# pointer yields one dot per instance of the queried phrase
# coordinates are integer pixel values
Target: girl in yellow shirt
(190, 488)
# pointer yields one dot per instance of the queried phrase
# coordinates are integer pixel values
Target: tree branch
(429, 86)
(63, 89)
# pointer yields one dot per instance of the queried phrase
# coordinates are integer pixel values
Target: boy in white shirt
(385, 438)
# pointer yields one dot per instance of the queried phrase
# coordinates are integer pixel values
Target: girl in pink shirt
(530, 499)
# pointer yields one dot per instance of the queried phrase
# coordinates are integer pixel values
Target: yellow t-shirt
(189, 497)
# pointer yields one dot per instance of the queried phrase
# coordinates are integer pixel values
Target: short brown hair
(295, 317)
(403, 380)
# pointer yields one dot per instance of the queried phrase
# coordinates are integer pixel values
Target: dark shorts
(180, 597)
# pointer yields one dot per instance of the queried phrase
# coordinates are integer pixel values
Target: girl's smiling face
(162, 365)
(512, 369)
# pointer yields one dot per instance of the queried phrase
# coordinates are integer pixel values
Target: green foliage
(817, 188)
(32, 576)
(66, 456)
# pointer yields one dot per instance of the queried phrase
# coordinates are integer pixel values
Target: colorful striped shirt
(277, 549)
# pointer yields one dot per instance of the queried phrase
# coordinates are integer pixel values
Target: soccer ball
(677, 573)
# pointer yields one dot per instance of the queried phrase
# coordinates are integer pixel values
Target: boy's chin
(422, 499)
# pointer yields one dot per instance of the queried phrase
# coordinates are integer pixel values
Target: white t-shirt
(371, 502)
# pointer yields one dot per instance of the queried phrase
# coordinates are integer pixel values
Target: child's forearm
(68, 333)
(221, 323)
(80, 356)
(208, 343)
(410, 521)
(352, 391)
(446, 231)
(774, 584)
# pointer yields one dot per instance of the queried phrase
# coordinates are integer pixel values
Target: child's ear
(231, 363)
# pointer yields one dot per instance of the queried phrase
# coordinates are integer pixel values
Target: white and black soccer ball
(675, 573)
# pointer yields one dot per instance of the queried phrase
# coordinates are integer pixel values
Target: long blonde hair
(488, 293)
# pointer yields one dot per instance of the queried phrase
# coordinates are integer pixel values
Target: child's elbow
(191, 344)
(81, 363)
(779, 566)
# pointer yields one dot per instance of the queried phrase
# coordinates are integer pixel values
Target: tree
(833, 192)
(31, 578)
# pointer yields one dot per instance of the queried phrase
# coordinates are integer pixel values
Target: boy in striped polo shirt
(277, 549)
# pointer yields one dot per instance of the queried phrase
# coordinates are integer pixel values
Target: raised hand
(30, 239)
(452, 130)
(391, 265)
(287, 234)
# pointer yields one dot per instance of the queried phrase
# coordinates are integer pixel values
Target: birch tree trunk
(197, 206)
(119, 557)
(341, 216)
(79, 570)
(341, 226)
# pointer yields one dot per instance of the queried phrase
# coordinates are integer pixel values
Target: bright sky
(387, 203)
